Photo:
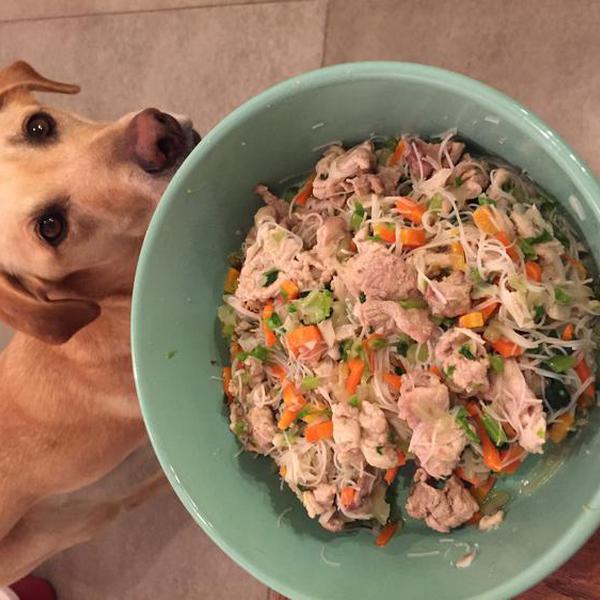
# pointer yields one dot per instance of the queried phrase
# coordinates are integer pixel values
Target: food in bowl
(411, 303)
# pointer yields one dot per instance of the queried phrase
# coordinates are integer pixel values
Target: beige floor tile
(542, 52)
(36, 9)
(203, 62)
(155, 552)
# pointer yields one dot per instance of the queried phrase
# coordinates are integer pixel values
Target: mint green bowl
(202, 217)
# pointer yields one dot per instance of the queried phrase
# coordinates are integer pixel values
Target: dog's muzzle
(156, 141)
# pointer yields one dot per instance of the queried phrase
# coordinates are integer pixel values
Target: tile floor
(205, 57)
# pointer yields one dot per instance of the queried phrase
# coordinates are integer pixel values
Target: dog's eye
(52, 228)
(39, 127)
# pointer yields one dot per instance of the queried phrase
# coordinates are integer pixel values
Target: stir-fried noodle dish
(411, 306)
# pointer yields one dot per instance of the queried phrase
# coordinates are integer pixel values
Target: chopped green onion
(290, 193)
(494, 429)
(354, 401)
(539, 313)
(449, 371)
(344, 349)
(545, 236)
(497, 363)
(462, 418)
(436, 203)
(445, 321)
(527, 249)
(292, 308)
(260, 353)
(476, 277)
(561, 363)
(378, 343)
(561, 296)
(310, 382)
(458, 181)
(269, 277)
(358, 216)
(274, 321)
(466, 352)
(483, 200)
(362, 298)
(402, 345)
(413, 303)
(242, 356)
(240, 428)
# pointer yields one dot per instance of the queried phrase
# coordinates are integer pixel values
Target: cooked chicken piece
(329, 239)
(365, 184)
(379, 274)
(451, 296)
(331, 173)
(438, 445)
(262, 429)
(389, 177)
(442, 509)
(375, 445)
(513, 401)
(387, 317)
(280, 206)
(469, 178)
(346, 432)
(434, 184)
(464, 362)
(529, 223)
(319, 500)
(489, 522)
(419, 152)
(422, 397)
(332, 521)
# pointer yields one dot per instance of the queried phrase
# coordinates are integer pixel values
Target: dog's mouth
(159, 142)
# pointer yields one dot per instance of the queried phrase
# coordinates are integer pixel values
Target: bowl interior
(177, 349)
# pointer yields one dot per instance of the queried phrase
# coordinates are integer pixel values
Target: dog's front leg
(56, 524)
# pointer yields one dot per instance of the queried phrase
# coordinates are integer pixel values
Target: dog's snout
(155, 140)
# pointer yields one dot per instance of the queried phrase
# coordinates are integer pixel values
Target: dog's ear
(23, 76)
(52, 321)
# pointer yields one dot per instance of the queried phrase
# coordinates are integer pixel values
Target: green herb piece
(358, 216)
(269, 277)
(413, 303)
(561, 363)
(458, 181)
(466, 352)
(378, 343)
(497, 363)
(274, 321)
(494, 429)
(436, 203)
(483, 200)
(354, 401)
(545, 236)
(462, 418)
(561, 296)
(379, 450)
(449, 371)
(362, 298)
(240, 428)
(315, 307)
(539, 313)
(402, 345)
(310, 382)
(527, 249)
(292, 308)
(563, 239)
(476, 277)
(260, 353)
(344, 349)
(399, 370)
(242, 356)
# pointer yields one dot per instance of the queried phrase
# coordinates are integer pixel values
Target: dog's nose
(155, 140)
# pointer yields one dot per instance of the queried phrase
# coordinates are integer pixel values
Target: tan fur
(68, 411)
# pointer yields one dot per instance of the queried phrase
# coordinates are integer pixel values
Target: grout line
(150, 11)
(325, 32)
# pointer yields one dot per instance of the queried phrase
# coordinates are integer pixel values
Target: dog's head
(76, 197)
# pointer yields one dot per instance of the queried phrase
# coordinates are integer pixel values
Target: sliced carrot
(506, 348)
(412, 238)
(457, 255)
(289, 290)
(226, 374)
(533, 271)
(473, 479)
(282, 471)
(436, 371)
(411, 210)
(394, 381)
(474, 520)
(560, 428)
(568, 332)
(471, 320)
(489, 310)
(401, 458)
(397, 154)
(581, 270)
(347, 496)
(472, 408)
(356, 366)
(292, 398)
(512, 459)
(287, 418)
(481, 491)
(390, 475)
(305, 191)
(387, 533)
(231, 280)
(491, 455)
(277, 371)
(385, 232)
(584, 372)
(267, 313)
(234, 349)
(319, 431)
(509, 245)
(484, 220)
(303, 336)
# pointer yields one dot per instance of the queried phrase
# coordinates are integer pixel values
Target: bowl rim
(506, 107)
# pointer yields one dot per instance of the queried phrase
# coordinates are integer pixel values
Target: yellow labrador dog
(76, 198)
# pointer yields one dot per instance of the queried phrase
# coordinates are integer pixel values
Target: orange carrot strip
(401, 458)
(397, 154)
(509, 246)
(226, 374)
(356, 367)
(282, 471)
(319, 431)
(512, 459)
(231, 280)
(347, 496)
(584, 372)
(387, 533)
(292, 398)
(473, 479)
(581, 270)
(290, 289)
(287, 418)
(390, 475)
(394, 381)
(436, 371)
(305, 191)
(568, 332)
(480, 492)
(411, 210)
(385, 231)
(506, 348)
(277, 371)
(533, 271)
(484, 220)
(489, 310)
(301, 336)
(471, 320)
(412, 238)
(267, 313)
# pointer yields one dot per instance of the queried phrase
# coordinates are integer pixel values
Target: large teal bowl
(177, 353)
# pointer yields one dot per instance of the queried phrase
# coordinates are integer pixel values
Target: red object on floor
(33, 588)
